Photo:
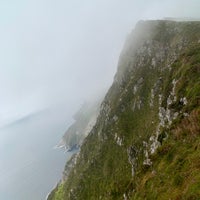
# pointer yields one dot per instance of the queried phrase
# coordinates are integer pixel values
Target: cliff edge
(146, 140)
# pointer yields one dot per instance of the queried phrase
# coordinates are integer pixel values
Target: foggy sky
(59, 53)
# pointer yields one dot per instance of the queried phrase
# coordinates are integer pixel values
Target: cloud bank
(59, 53)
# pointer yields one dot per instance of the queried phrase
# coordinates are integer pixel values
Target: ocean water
(30, 166)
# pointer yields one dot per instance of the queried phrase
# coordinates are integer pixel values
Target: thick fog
(55, 54)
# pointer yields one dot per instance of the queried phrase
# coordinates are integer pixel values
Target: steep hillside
(146, 141)
(85, 119)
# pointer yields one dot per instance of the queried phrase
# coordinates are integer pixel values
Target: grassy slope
(175, 172)
(102, 170)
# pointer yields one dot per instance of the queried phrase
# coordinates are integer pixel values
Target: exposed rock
(147, 160)
(115, 118)
(118, 140)
(132, 146)
(132, 157)
(183, 101)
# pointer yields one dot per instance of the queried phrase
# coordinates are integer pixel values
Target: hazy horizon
(54, 56)
(57, 54)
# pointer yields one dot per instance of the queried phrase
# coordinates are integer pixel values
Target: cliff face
(85, 119)
(146, 141)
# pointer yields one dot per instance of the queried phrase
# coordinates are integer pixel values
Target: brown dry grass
(189, 126)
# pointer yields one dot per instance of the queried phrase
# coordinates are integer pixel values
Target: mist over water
(30, 166)
(64, 52)
(54, 55)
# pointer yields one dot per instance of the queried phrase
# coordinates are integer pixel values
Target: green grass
(176, 168)
(103, 170)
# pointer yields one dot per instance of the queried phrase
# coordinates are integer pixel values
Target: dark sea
(30, 166)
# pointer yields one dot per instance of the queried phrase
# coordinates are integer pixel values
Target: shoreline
(47, 196)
